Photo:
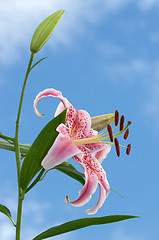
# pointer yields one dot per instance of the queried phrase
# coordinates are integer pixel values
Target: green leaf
(38, 150)
(81, 223)
(71, 171)
(44, 30)
(6, 211)
(37, 63)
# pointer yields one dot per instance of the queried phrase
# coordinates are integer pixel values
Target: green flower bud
(44, 30)
(100, 122)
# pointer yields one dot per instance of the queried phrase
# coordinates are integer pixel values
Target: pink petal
(101, 155)
(86, 192)
(46, 93)
(60, 109)
(71, 112)
(100, 202)
(83, 124)
(62, 149)
(64, 130)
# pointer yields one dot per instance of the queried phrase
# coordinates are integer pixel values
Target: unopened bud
(100, 122)
(44, 30)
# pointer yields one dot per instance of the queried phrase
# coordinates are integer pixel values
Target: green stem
(17, 149)
(6, 137)
(19, 215)
(17, 152)
(11, 147)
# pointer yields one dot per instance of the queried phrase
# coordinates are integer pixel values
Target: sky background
(103, 56)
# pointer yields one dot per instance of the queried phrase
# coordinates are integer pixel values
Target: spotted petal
(94, 165)
(93, 172)
(82, 125)
(99, 150)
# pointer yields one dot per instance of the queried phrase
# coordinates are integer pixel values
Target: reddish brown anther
(128, 149)
(110, 132)
(129, 122)
(122, 122)
(116, 117)
(117, 147)
(126, 134)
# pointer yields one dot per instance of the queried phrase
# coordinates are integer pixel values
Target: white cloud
(129, 70)
(33, 210)
(7, 231)
(148, 4)
(18, 20)
(36, 209)
(121, 234)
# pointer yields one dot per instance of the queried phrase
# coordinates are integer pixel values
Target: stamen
(121, 122)
(119, 133)
(116, 117)
(110, 132)
(73, 130)
(126, 134)
(128, 149)
(103, 132)
(117, 147)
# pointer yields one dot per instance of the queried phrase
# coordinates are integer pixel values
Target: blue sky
(102, 56)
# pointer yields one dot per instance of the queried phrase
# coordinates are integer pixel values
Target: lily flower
(78, 140)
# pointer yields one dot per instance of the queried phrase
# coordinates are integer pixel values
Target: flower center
(107, 134)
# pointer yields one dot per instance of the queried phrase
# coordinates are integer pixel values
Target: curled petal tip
(88, 212)
(39, 114)
(67, 199)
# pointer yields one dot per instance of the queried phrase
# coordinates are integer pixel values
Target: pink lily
(76, 139)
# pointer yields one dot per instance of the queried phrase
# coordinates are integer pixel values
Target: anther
(128, 149)
(117, 147)
(122, 122)
(110, 132)
(116, 117)
(126, 134)
(129, 122)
